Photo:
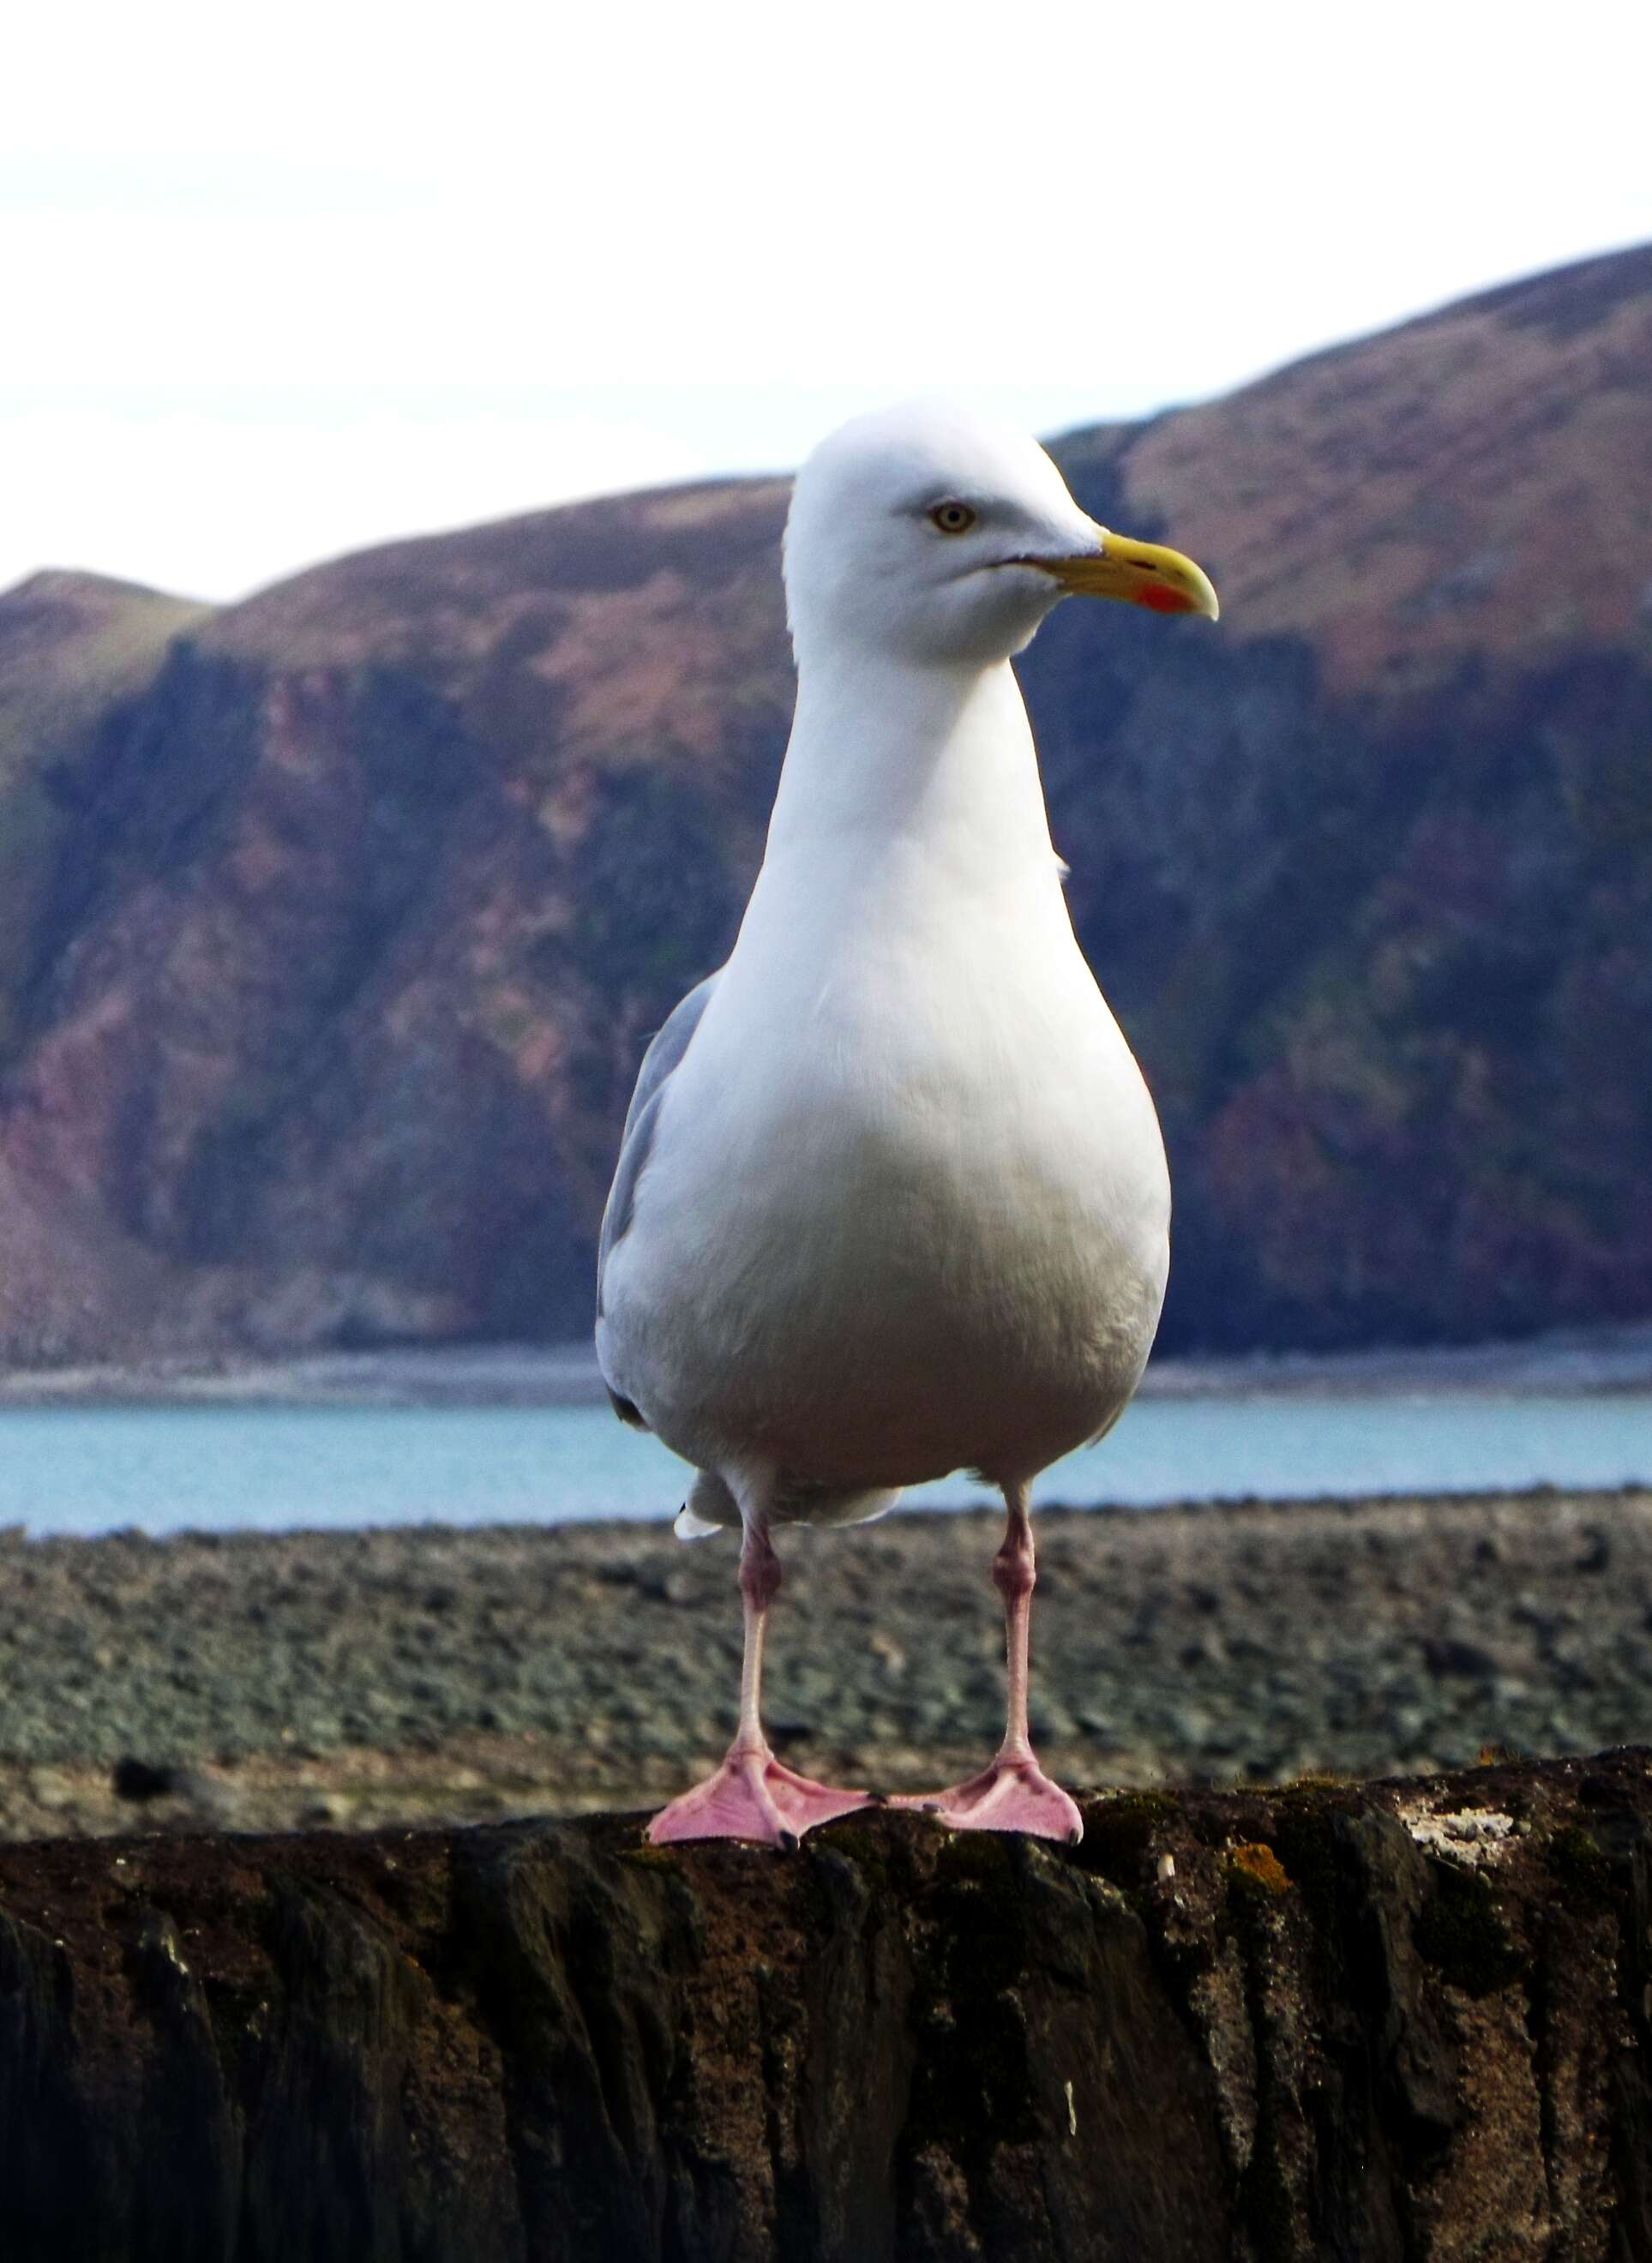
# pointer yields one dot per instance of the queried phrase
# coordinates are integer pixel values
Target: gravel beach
(363, 1678)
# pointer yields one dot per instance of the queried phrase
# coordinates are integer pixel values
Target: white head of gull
(891, 1198)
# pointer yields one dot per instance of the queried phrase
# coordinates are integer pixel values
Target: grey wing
(661, 1057)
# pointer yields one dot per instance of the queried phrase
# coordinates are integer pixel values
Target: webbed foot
(753, 1795)
(1011, 1794)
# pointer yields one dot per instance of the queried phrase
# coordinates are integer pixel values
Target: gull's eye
(953, 517)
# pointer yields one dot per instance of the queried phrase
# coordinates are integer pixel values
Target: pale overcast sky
(282, 281)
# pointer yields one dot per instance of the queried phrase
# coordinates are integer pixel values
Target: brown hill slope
(71, 646)
(1476, 483)
(352, 922)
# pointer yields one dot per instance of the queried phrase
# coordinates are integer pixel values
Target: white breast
(906, 1207)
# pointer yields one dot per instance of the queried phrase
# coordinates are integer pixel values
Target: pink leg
(1014, 1794)
(751, 1795)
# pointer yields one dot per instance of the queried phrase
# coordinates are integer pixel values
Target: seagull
(891, 1198)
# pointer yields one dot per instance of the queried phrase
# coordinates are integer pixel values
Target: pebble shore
(362, 1677)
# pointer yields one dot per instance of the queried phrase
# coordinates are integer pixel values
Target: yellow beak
(1140, 573)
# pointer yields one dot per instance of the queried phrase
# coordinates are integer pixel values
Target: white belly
(893, 1227)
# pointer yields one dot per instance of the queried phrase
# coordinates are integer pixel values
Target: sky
(280, 282)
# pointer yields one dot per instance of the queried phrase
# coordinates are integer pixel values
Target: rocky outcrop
(334, 924)
(1392, 2020)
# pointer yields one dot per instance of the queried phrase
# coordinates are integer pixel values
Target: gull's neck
(887, 760)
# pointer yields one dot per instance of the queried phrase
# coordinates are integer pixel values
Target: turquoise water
(160, 1469)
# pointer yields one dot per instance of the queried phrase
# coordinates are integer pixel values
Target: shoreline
(1567, 1362)
(400, 1675)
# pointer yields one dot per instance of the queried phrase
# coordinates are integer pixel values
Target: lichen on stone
(1467, 1834)
(1254, 1866)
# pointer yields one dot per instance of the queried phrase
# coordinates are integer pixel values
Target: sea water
(87, 1469)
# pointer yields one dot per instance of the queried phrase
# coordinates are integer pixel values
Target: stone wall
(1385, 2021)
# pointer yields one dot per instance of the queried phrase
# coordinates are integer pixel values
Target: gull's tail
(711, 1506)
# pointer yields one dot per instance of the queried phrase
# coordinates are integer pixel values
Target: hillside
(334, 922)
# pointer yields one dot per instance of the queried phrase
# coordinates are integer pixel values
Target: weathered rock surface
(333, 926)
(1389, 2021)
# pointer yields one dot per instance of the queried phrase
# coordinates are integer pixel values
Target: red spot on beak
(1161, 598)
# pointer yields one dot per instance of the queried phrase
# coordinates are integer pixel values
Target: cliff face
(345, 955)
(347, 911)
(1386, 2022)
